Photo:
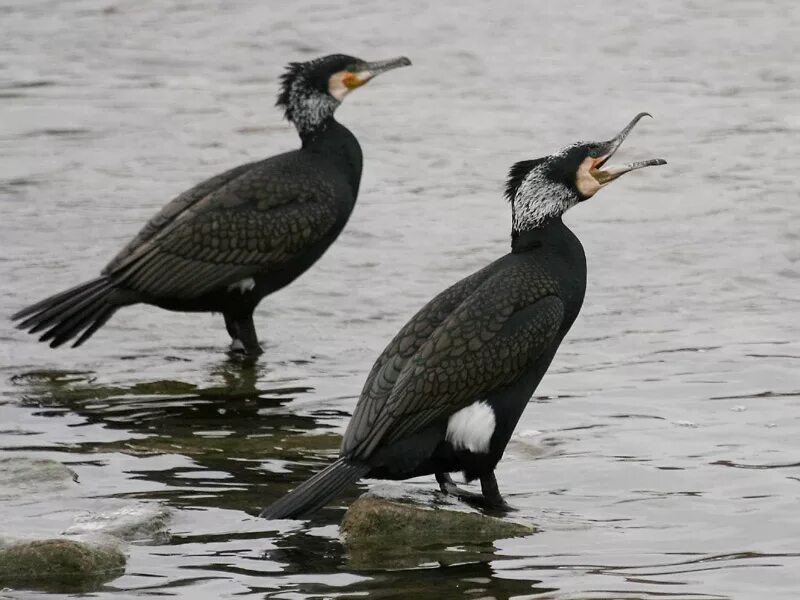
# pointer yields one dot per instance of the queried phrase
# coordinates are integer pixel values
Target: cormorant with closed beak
(237, 237)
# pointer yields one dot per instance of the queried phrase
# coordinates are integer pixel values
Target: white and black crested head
(547, 187)
(312, 91)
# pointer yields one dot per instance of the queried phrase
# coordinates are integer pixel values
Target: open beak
(369, 70)
(604, 176)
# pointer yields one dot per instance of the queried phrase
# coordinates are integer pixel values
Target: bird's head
(547, 187)
(311, 91)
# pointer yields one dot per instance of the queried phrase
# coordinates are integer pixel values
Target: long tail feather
(100, 320)
(62, 312)
(84, 308)
(314, 493)
(55, 299)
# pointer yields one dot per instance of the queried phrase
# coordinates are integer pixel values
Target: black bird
(446, 394)
(231, 240)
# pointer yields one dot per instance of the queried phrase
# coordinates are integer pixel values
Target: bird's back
(261, 185)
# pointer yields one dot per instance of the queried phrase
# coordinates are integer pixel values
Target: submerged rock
(59, 564)
(22, 476)
(131, 523)
(400, 532)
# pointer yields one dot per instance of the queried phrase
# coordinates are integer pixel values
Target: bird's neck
(527, 239)
(336, 143)
(540, 199)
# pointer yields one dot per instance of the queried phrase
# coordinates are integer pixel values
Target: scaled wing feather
(473, 352)
(196, 245)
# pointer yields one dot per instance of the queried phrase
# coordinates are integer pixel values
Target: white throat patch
(472, 427)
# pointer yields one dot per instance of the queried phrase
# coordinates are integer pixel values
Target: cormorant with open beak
(448, 391)
(237, 237)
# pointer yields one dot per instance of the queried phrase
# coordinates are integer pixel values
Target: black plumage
(233, 239)
(449, 389)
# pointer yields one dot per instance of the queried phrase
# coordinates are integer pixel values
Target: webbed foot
(488, 500)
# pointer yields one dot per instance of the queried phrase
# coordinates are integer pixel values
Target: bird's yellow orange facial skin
(352, 81)
(602, 177)
(587, 177)
(343, 82)
(595, 171)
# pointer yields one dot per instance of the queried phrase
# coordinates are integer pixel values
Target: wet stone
(131, 523)
(384, 530)
(59, 564)
(369, 518)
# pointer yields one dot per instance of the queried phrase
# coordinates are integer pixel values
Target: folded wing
(487, 342)
(249, 220)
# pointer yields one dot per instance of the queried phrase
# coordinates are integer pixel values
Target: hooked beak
(369, 70)
(604, 176)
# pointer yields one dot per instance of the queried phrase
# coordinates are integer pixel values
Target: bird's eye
(594, 153)
(351, 68)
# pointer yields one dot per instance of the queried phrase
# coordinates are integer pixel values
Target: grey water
(659, 458)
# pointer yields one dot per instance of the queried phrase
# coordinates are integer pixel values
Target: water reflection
(232, 427)
(435, 582)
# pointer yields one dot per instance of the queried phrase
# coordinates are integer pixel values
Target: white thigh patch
(472, 427)
(243, 285)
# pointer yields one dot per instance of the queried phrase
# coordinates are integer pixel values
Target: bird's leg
(445, 482)
(448, 486)
(249, 337)
(489, 498)
(243, 333)
(231, 326)
(491, 494)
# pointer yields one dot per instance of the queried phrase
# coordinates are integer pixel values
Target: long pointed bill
(613, 145)
(611, 173)
(369, 70)
(603, 176)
